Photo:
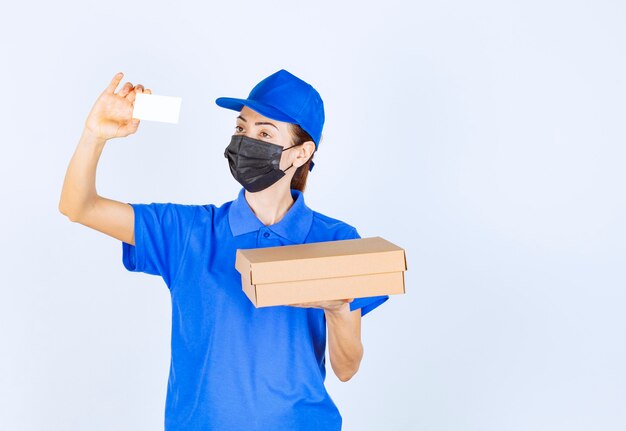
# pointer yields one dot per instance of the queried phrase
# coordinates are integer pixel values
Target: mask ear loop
(285, 149)
(288, 148)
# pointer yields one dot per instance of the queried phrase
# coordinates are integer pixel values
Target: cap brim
(263, 109)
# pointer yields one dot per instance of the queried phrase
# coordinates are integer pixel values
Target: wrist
(338, 313)
(89, 137)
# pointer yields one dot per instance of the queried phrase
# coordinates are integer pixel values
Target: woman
(233, 366)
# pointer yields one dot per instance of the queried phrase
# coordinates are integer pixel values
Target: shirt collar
(294, 225)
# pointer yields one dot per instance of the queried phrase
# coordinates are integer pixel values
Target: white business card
(154, 107)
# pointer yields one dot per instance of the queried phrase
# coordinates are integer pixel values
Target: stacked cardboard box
(352, 268)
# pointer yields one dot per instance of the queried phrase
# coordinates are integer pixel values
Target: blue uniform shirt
(233, 366)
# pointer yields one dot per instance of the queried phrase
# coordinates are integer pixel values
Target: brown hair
(298, 181)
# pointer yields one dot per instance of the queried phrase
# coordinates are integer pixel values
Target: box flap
(242, 264)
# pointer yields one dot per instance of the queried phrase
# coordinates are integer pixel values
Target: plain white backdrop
(486, 138)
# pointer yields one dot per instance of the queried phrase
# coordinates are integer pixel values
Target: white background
(486, 138)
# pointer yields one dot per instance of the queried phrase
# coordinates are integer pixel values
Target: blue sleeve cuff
(131, 254)
(367, 304)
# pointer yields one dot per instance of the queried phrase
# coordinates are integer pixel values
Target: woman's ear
(306, 150)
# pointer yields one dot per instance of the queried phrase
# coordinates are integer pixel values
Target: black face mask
(255, 163)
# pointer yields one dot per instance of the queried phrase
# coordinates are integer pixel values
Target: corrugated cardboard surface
(321, 271)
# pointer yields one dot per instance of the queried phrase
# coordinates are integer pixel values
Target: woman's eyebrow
(260, 123)
(265, 122)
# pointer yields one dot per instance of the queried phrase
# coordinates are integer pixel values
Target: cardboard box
(352, 268)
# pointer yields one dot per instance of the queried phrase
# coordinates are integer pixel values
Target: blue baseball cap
(283, 96)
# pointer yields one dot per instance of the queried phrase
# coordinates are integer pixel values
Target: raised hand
(111, 114)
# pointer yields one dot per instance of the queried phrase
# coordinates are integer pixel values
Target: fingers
(131, 96)
(125, 89)
(114, 82)
(133, 93)
(128, 88)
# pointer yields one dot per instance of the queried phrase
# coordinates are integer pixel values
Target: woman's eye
(265, 135)
(238, 129)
